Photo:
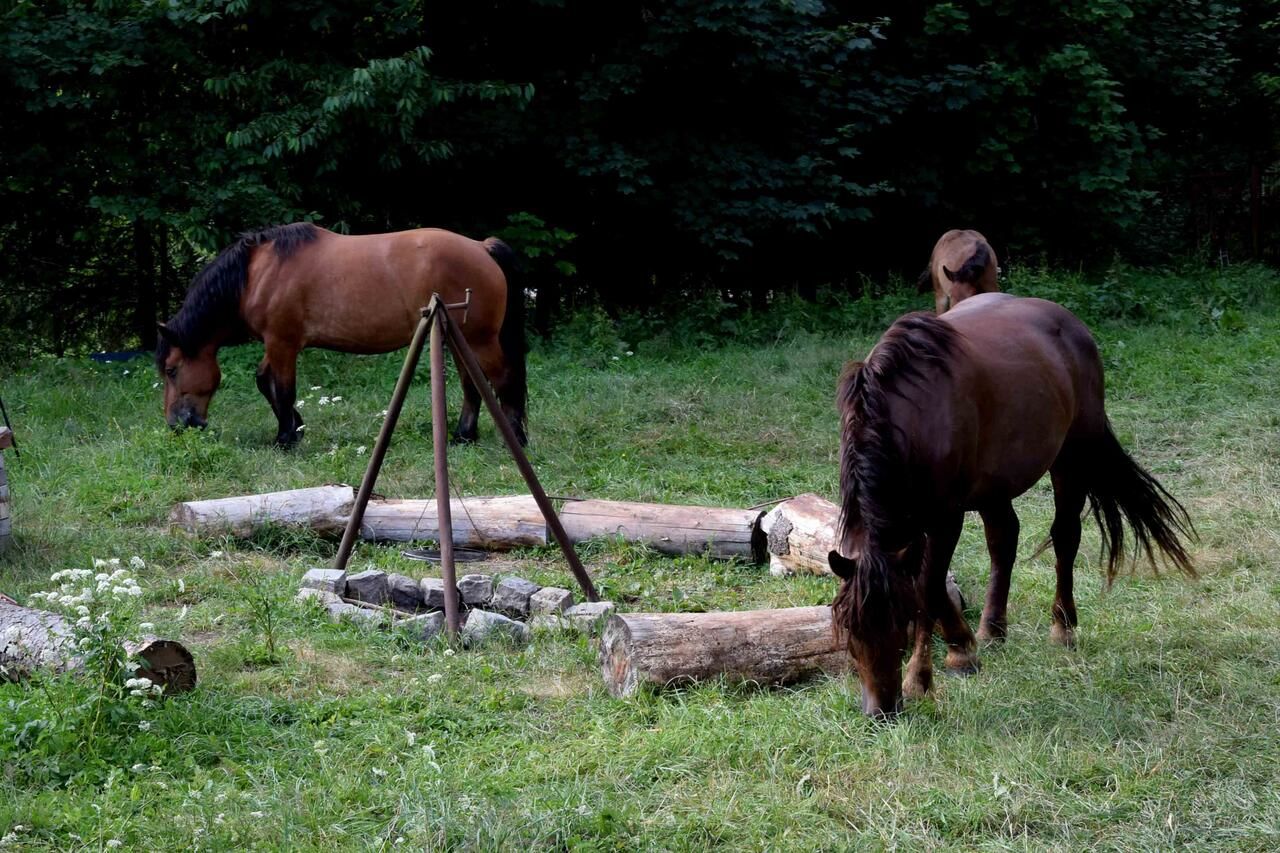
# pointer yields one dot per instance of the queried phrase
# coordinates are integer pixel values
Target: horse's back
(365, 292)
(1027, 376)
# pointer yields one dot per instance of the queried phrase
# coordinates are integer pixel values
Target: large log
(492, 523)
(799, 533)
(763, 646)
(723, 533)
(33, 639)
(323, 508)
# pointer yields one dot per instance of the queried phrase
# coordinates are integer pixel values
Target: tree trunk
(670, 529)
(36, 639)
(765, 646)
(144, 255)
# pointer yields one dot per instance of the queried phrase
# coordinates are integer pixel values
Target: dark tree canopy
(630, 150)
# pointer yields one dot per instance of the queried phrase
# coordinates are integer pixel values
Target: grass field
(1161, 730)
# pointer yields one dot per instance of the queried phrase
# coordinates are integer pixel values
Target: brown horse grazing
(966, 412)
(963, 264)
(298, 286)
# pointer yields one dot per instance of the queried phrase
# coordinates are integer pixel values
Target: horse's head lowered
(190, 376)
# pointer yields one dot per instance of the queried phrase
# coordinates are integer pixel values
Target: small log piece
(671, 529)
(764, 646)
(323, 508)
(799, 533)
(33, 639)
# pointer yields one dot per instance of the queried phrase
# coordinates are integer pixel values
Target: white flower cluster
(143, 688)
(75, 592)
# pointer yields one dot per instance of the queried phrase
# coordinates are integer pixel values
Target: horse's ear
(842, 566)
(951, 277)
(167, 334)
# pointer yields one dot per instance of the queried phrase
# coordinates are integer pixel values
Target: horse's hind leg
(277, 380)
(1069, 493)
(494, 365)
(1001, 525)
(467, 431)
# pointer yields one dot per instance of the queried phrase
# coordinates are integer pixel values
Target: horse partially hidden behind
(962, 264)
(297, 286)
(965, 412)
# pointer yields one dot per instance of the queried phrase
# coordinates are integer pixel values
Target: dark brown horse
(966, 412)
(298, 286)
(963, 264)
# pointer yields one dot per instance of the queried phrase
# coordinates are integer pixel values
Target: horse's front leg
(277, 380)
(919, 677)
(962, 658)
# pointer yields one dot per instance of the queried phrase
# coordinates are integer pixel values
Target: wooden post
(322, 508)
(765, 646)
(440, 441)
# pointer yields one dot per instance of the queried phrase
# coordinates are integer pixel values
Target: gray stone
(370, 586)
(513, 594)
(550, 622)
(329, 580)
(423, 627)
(481, 625)
(550, 599)
(365, 618)
(308, 593)
(587, 615)
(404, 592)
(476, 590)
(338, 609)
(433, 593)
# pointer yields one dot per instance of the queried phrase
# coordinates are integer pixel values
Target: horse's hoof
(962, 663)
(1061, 635)
(461, 440)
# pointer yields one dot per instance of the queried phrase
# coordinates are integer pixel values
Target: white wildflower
(614, 358)
(220, 819)
(299, 404)
(146, 627)
(155, 385)
(629, 352)
(182, 586)
(136, 562)
(126, 373)
(361, 450)
(448, 653)
(324, 401)
(144, 726)
(412, 737)
(315, 387)
(183, 614)
(434, 677)
(337, 399)
(379, 772)
(97, 564)
(113, 843)
(258, 815)
(216, 555)
(382, 414)
(114, 561)
(139, 768)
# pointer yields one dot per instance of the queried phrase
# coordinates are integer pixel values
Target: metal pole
(472, 366)
(440, 441)
(384, 438)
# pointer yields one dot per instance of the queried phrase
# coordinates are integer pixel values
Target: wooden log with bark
(722, 533)
(490, 523)
(763, 646)
(33, 639)
(799, 533)
(323, 508)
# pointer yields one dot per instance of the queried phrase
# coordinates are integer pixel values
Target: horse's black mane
(875, 510)
(213, 300)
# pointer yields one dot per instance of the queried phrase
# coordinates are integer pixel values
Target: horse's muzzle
(184, 418)
(873, 708)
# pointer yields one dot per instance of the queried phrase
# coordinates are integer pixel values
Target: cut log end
(165, 662)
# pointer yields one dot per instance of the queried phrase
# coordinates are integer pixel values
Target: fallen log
(799, 533)
(722, 533)
(491, 523)
(763, 646)
(33, 639)
(323, 508)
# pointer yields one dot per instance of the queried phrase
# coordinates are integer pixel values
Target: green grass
(1161, 730)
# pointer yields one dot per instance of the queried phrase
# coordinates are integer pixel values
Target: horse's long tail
(1119, 490)
(512, 336)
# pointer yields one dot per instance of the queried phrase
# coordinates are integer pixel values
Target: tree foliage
(633, 148)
